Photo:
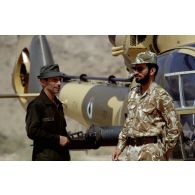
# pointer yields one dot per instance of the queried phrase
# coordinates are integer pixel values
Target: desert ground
(75, 55)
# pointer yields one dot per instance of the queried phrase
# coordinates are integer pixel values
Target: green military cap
(147, 57)
(50, 71)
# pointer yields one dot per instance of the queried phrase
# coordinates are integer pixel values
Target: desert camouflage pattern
(150, 114)
(149, 152)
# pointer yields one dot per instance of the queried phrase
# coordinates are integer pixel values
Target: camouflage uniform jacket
(151, 114)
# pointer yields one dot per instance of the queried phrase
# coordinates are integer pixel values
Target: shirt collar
(151, 87)
(149, 90)
(46, 99)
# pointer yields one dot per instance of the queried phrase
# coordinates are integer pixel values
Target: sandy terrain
(74, 54)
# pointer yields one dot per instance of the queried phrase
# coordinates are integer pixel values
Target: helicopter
(99, 103)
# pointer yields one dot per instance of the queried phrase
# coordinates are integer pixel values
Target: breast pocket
(149, 109)
(131, 108)
(48, 119)
(48, 123)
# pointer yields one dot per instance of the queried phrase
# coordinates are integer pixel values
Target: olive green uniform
(152, 116)
(44, 123)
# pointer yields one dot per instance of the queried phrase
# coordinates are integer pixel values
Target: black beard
(144, 80)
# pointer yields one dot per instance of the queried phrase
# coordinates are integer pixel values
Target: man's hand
(63, 140)
(116, 154)
(167, 154)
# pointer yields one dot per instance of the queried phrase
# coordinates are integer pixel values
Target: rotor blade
(40, 55)
(18, 95)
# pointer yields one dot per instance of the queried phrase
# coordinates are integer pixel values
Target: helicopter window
(173, 62)
(177, 76)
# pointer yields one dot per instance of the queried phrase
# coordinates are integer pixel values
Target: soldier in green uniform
(45, 122)
(152, 126)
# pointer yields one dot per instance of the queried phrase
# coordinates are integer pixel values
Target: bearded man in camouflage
(152, 127)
